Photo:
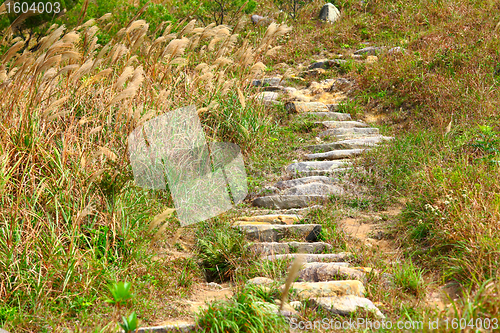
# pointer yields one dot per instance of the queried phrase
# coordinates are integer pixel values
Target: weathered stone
(340, 258)
(316, 165)
(353, 130)
(370, 50)
(170, 327)
(287, 310)
(329, 13)
(273, 218)
(274, 233)
(332, 115)
(314, 189)
(371, 59)
(287, 201)
(319, 271)
(346, 305)
(268, 97)
(307, 290)
(348, 144)
(330, 172)
(3, 331)
(269, 248)
(328, 63)
(261, 281)
(395, 50)
(268, 81)
(343, 124)
(335, 154)
(260, 20)
(301, 107)
(305, 180)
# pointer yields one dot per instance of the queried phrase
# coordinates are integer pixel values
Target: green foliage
(221, 252)
(129, 324)
(219, 11)
(291, 7)
(120, 293)
(246, 312)
(408, 277)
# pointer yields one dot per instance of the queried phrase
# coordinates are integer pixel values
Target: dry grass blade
(13, 50)
(292, 275)
(160, 218)
(54, 105)
(108, 153)
(241, 97)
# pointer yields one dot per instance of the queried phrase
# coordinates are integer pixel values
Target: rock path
(327, 280)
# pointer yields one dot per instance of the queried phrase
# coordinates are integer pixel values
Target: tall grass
(70, 218)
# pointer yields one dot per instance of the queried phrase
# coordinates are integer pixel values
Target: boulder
(346, 305)
(329, 13)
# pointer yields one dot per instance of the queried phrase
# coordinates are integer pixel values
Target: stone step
(269, 248)
(287, 201)
(331, 172)
(274, 232)
(176, 326)
(307, 290)
(349, 144)
(273, 218)
(340, 258)
(343, 124)
(332, 115)
(316, 165)
(314, 189)
(346, 305)
(322, 271)
(345, 131)
(335, 154)
(284, 184)
(302, 107)
(352, 136)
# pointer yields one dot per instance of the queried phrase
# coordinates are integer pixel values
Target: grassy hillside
(72, 222)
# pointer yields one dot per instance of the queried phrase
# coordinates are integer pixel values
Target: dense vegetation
(72, 222)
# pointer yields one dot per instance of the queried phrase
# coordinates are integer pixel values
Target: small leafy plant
(129, 324)
(120, 293)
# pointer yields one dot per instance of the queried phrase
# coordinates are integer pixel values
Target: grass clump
(409, 277)
(247, 311)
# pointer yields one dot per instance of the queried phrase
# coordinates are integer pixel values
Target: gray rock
(395, 50)
(346, 305)
(260, 281)
(284, 184)
(340, 258)
(329, 13)
(330, 172)
(289, 90)
(332, 115)
(326, 64)
(3, 331)
(287, 311)
(260, 20)
(314, 189)
(320, 271)
(307, 290)
(301, 107)
(316, 165)
(287, 201)
(175, 326)
(370, 50)
(268, 97)
(274, 233)
(349, 144)
(270, 248)
(335, 154)
(343, 124)
(348, 131)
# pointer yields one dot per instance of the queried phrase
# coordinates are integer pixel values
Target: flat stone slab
(268, 81)
(349, 144)
(338, 116)
(273, 218)
(301, 107)
(331, 172)
(274, 233)
(307, 290)
(316, 165)
(172, 327)
(346, 305)
(270, 248)
(341, 258)
(335, 154)
(260, 281)
(268, 97)
(346, 131)
(343, 124)
(284, 184)
(287, 201)
(322, 271)
(314, 189)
